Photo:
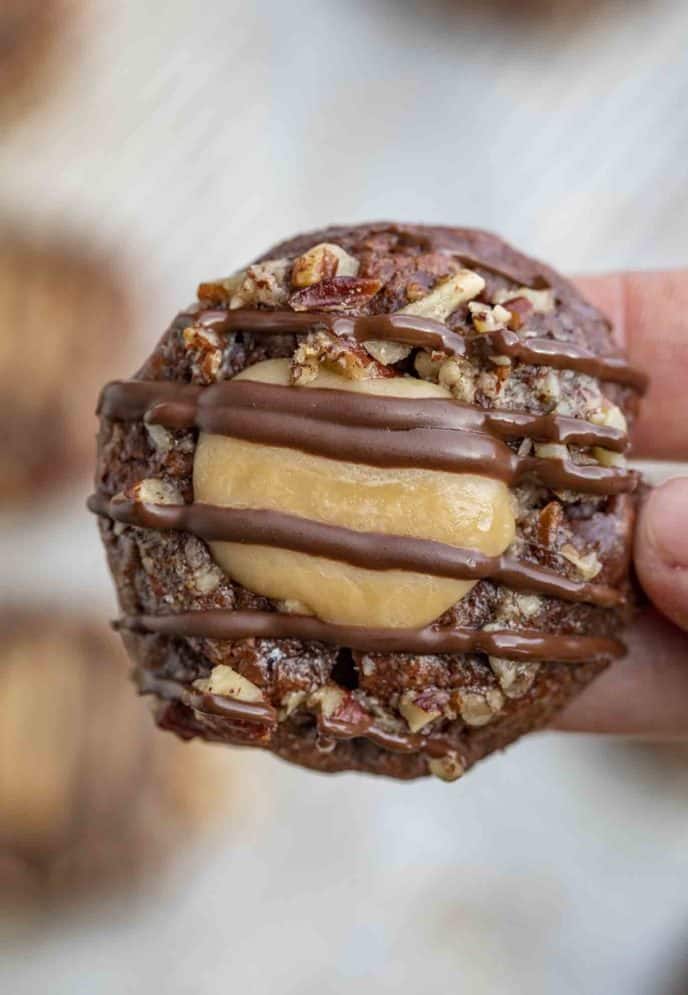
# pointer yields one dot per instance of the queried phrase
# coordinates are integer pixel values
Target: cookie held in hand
(367, 503)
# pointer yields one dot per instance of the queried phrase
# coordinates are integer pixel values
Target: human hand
(646, 693)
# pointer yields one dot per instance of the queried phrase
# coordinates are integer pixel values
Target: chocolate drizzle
(429, 334)
(178, 406)
(397, 742)
(383, 431)
(513, 644)
(331, 728)
(260, 713)
(370, 550)
(566, 356)
(406, 328)
(287, 422)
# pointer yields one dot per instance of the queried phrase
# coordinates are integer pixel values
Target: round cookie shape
(367, 504)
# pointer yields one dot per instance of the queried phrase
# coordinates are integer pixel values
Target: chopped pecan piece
(447, 768)
(447, 296)
(221, 291)
(588, 565)
(225, 681)
(518, 308)
(339, 293)
(263, 283)
(342, 356)
(323, 262)
(477, 708)
(542, 300)
(549, 521)
(486, 318)
(386, 352)
(205, 349)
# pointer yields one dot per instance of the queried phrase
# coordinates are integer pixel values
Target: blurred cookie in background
(518, 15)
(92, 797)
(30, 61)
(65, 322)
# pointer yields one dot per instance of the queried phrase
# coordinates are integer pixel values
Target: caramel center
(463, 510)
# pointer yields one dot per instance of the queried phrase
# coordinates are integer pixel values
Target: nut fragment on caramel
(463, 510)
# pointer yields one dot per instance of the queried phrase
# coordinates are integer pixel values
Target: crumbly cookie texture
(474, 703)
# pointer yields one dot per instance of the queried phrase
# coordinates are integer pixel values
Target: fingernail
(665, 522)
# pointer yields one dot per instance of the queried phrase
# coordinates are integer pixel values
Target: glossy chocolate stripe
(426, 448)
(429, 334)
(260, 713)
(406, 328)
(429, 449)
(564, 356)
(555, 428)
(396, 742)
(370, 550)
(264, 714)
(129, 400)
(192, 406)
(527, 645)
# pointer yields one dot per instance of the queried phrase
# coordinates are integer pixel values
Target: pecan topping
(339, 293)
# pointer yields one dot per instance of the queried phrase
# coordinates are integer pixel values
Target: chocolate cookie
(89, 795)
(367, 504)
(64, 310)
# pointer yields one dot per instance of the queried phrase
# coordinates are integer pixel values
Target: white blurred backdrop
(190, 136)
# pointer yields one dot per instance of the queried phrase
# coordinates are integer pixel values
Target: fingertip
(606, 292)
(644, 694)
(661, 549)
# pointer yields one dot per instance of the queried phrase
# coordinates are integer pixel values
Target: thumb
(661, 549)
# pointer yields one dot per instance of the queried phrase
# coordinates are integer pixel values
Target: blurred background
(147, 146)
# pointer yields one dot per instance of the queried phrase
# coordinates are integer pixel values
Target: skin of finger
(661, 549)
(649, 312)
(645, 694)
